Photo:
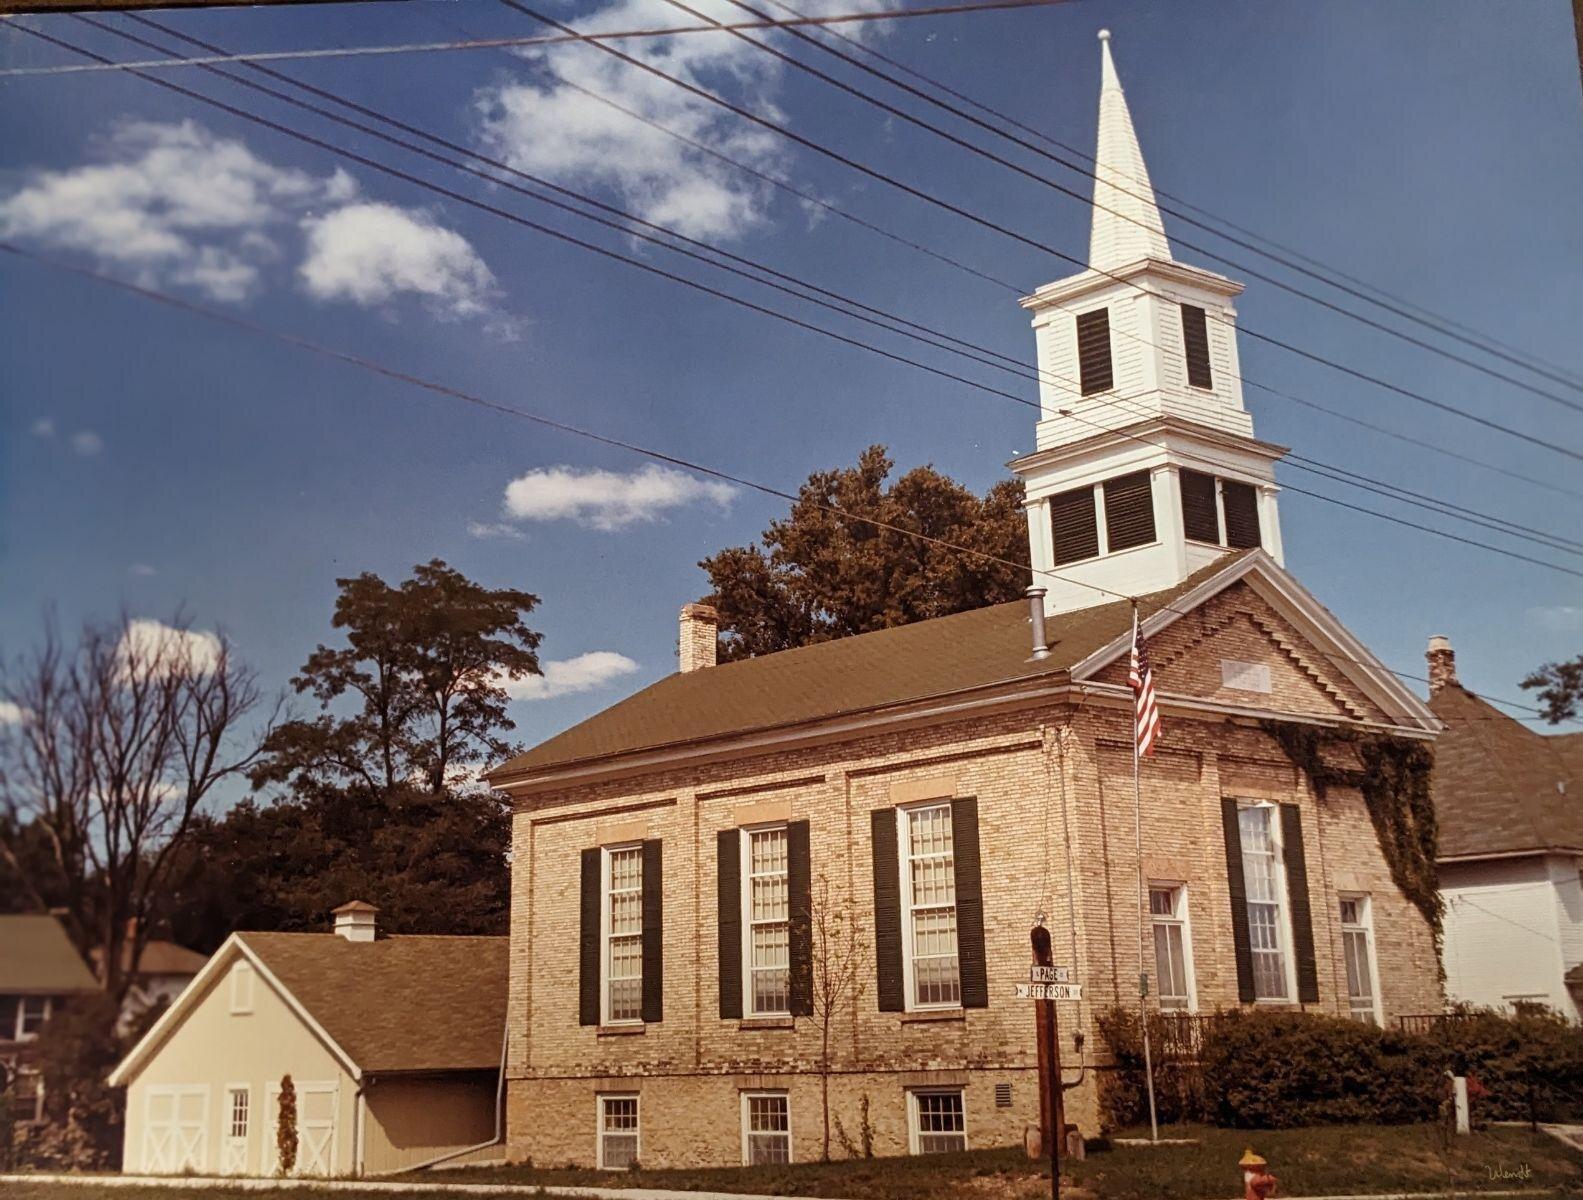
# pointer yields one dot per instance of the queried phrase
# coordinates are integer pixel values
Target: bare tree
(837, 978)
(109, 748)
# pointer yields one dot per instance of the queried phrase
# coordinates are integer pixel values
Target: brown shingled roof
(39, 959)
(1496, 781)
(160, 958)
(404, 1003)
(864, 672)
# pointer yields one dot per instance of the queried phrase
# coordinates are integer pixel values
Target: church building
(754, 884)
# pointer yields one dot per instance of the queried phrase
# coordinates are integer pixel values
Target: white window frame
(915, 1133)
(764, 1094)
(243, 982)
(599, 1127)
(606, 853)
(234, 1149)
(20, 1033)
(1364, 925)
(19, 1073)
(1283, 902)
(745, 837)
(1178, 918)
(904, 816)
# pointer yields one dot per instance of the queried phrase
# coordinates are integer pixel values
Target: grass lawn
(1309, 1162)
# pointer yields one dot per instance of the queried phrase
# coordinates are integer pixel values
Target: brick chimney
(1442, 660)
(700, 628)
(355, 921)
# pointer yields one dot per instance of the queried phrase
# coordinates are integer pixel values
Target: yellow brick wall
(1058, 836)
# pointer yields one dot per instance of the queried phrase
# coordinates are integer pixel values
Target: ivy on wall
(1394, 780)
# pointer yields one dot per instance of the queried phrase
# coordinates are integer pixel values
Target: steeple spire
(1127, 223)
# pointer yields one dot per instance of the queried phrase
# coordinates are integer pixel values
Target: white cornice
(1087, 281)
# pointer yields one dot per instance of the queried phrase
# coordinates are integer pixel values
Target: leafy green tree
(1560, 687)
(417, 691)
(819, 574)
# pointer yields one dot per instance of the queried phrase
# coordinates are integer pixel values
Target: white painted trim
(599, 1125)
(912, 1113)
(762, 1094)
(226, 1140)
(904, 889)
(174, 1092)
(745, 855)
(604, 932)
(242, 997)
(1366, 925)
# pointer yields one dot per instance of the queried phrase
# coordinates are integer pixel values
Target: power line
(957, 210)
(762, 22)
(400, 376)
(385, 168)
(1279, 254)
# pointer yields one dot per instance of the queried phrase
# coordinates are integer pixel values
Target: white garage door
(316, 1105)
(174, 1124)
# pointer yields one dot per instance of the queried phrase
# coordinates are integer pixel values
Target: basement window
(938, 1120)
(766, 1128)
(1093, 352)
(618, 1132)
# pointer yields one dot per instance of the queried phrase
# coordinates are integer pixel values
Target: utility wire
(417, 381)
(1433, 504)
(765, 22)
(957, 210)
(1210, 226)
(385, 168)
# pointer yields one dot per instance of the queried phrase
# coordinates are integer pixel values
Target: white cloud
(11, 714)
(569, 676)
(369, 253)
(158, 648)
(608, 500)
(44, 427)
(493, 529)
(550, 125)
(142, 570)
(86, 443)
(1558, 618)
(174, 203)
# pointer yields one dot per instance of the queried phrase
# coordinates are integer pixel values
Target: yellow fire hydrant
(1258, 1183)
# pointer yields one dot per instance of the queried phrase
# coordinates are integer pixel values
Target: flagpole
(1143, 978)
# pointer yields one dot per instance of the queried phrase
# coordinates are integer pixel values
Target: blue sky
(152, 459)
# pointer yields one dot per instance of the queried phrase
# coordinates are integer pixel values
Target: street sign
(1049, 991)
(1049, 974)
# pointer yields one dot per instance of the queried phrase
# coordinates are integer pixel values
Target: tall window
(238, 1113)
(1168, 915)
(1357, 937)
(929, 882)
(766, 1128)
(1093, 351)
(1195, 346)
(618, 1132)
(938, 1120)
(624, 935)
(1265, 880)
(768, 919)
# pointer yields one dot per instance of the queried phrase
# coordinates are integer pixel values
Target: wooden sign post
(1052, 1106)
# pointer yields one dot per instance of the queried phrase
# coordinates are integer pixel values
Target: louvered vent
(1199, 518)
(1093, 351)
(1003, 1095)
(1129, 511)
(1195, 344)
(1242, 514)
(1074, 528)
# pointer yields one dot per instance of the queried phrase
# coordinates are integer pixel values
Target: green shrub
(1123, 1096)
(1530, 1066)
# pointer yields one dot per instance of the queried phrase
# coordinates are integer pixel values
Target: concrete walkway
(243, 1184)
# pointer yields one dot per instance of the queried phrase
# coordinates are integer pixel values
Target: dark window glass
(1074, 527)
(1241, 503)
(1195, 345)
(1093, 351)
(1129, 511)
(1198, 507)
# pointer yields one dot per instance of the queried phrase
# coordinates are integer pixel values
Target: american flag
(1146, 714)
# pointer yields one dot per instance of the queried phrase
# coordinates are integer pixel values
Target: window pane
(932, 910)
(1162, 901)
(942, 1124)
(769, 1129)
(1261, 876)
(618, 1131)
(624, 952)
(239, 1101)
(1170, 964)
(35, 1010)
(769, 927)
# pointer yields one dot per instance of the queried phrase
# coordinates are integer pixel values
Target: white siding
(1513, 927)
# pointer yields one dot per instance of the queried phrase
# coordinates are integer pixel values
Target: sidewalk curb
(243, 1183)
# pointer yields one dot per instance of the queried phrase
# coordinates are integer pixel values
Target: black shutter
(888, 986)
(1129, 511)
(1199, 518)
(1195, 346)
(729, 848)
(1242, 514)
(1297, 893)
(969, 904)
(1093, 351)
(653, 932)
(799, 886)
(1074, 525)
(588, 939)
(1238, 888)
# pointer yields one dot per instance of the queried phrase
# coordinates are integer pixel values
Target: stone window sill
(749, 1023)
(622, 1030)
(934, 1014)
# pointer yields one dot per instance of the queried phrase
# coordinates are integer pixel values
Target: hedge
(1271, 1070)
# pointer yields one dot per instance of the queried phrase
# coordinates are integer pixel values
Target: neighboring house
(1509, 802)
(393, 1047)
(163, 970)
(40, 973)
(946, 783)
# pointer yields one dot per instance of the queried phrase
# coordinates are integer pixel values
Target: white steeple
(1127, 223)
(1145, 467)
